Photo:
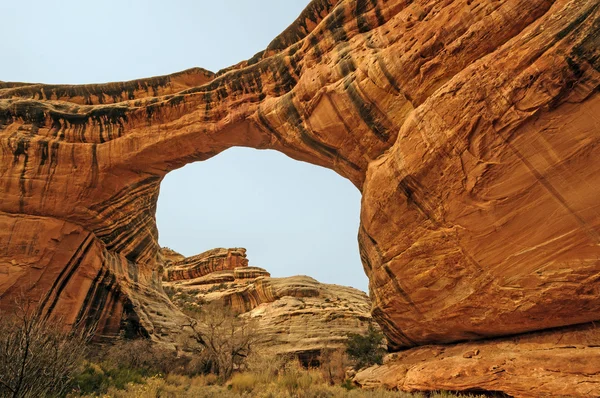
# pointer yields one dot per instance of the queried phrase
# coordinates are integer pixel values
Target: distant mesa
(296, 315)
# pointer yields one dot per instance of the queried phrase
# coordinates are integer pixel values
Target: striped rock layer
(469, 126)
(293, 315)
(204, 263)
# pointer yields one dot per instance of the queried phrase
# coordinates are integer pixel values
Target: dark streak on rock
(139, 249)
(299, 29)
(389, 77)
(314, 43)
(95, 170)
(336, 24)
(281, 74)
(296, 123)
(368, 113)
(67, 273)
(577, 22)
(359, 11)
(410, 188)
(399, 288)
(394, 335)
(589, 49)
(43, 147)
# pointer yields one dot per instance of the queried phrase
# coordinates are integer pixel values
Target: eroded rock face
(184, 268)
(294, 315)
(470, 128)
(557, 363)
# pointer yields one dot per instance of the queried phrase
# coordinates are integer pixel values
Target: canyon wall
(294, 316)
(471, 128)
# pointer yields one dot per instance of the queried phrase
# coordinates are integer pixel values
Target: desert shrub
(97, 379)
(170, 291)
(36, 358)
(266, 365)
(152, 387)
(381, 393)
(333, 365)
(207, 380)
(198, 364)
(216, 288)
(126, 362)
(366, 350)
(298, 381)
(348, 384)
(146, 356)
(91, 378)
(225, 339)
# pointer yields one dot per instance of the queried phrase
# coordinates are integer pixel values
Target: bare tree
(36, 358)
(226, 339)
(333, 364)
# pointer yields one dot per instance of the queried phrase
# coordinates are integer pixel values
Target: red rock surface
(470, 126)
(557, 363)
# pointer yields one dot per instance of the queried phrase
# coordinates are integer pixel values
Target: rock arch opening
(292, 217)
(479, 210)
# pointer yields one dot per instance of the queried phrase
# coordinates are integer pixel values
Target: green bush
(366, 350)
(97, 379)
(348, 385)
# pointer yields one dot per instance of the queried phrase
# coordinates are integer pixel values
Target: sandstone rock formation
(470, 127)
(294, 315)
(185, 268)
(557, 363)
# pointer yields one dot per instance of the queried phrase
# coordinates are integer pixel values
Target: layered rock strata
(293, 315)
(468, 125)
(557, 363)
(203, 264)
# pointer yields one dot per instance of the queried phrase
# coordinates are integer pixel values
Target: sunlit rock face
(178, 267)
(295, 315)
(470, 128)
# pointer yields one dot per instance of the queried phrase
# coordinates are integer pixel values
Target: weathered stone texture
(294, 315)
(205, 263)
(470, 127)
(557, 363)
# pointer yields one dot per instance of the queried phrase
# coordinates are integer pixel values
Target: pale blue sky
(293, 217)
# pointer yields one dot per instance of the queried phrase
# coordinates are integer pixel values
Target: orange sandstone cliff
(470, 126)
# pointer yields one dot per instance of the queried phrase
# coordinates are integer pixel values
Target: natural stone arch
(436, 119)
(293, 218)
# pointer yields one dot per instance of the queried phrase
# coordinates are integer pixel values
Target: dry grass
(305, 384)
(268, 376)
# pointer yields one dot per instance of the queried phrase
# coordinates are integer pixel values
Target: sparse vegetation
(224, 338)
(36, 359)
(186, 299)
(282, 380)
(216, 288)
(333, 366)
(366, 350)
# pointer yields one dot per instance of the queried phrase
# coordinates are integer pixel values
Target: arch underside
(469, 128)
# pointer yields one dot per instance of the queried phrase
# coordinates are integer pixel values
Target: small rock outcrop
(557, 363)
(294, 315)
(178, 267)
